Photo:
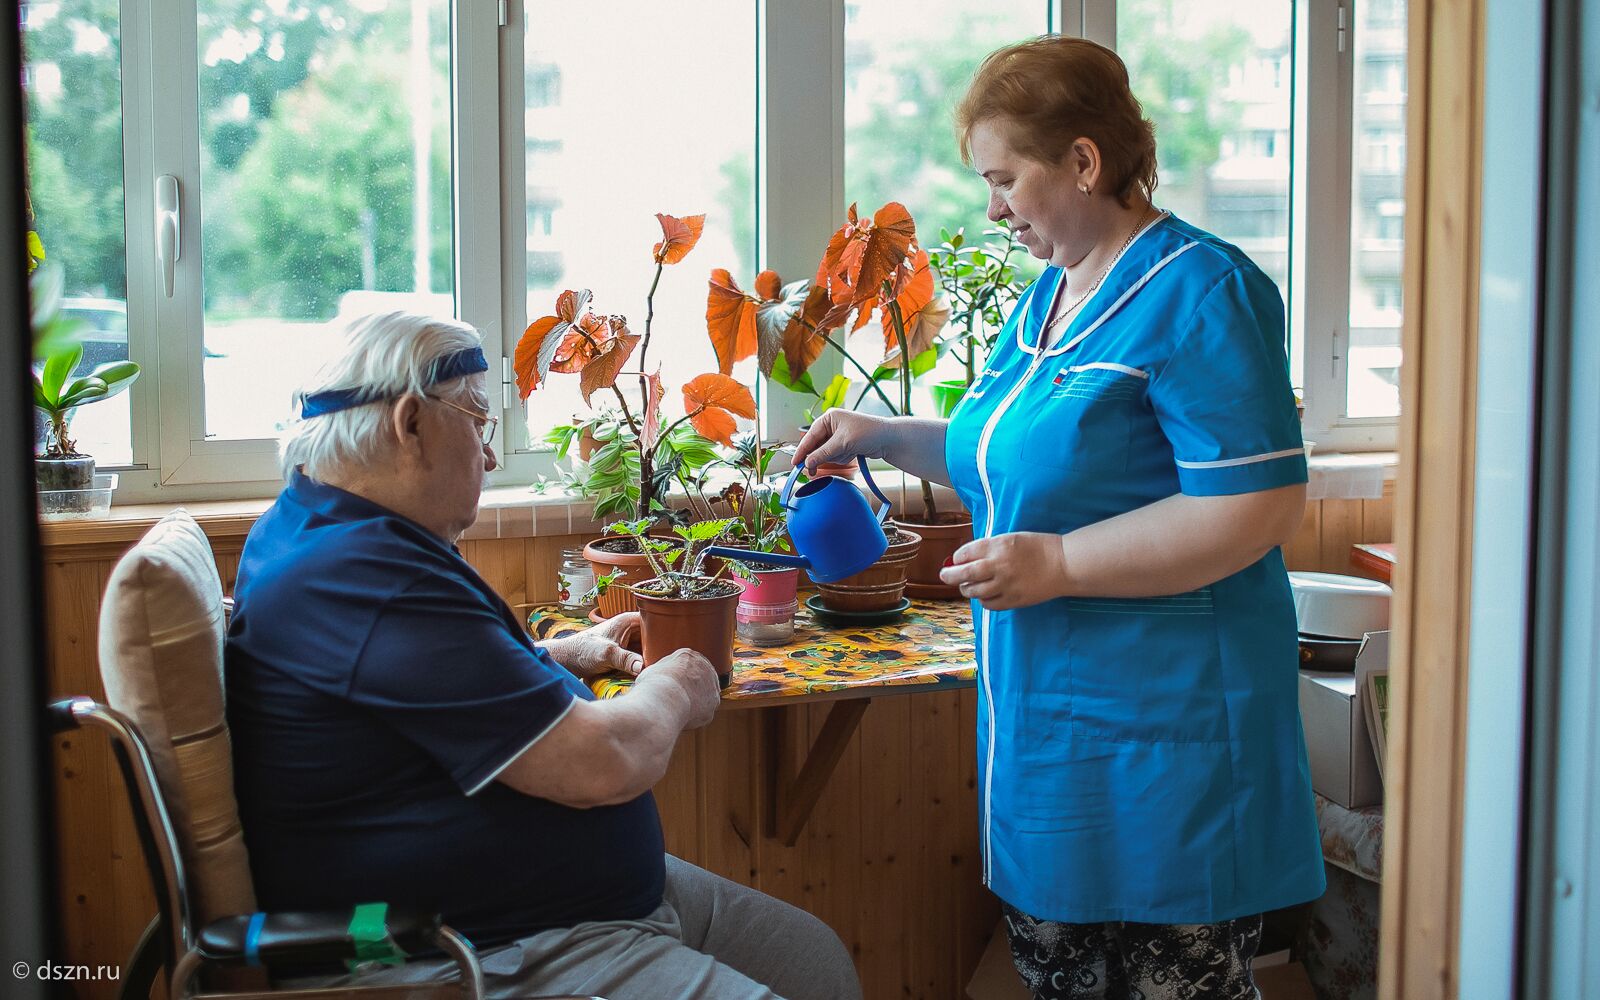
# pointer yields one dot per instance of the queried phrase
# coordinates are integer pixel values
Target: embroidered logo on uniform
(1061, 376)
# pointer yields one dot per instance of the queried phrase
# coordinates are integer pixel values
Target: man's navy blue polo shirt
(376, 685)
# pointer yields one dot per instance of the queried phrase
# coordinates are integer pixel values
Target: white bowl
(1339, 607)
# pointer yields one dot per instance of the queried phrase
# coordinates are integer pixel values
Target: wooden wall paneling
(832, 836)
(891, 902)
(979, 908)
(1433, 508)
(728, 798)
(934, 788)
(677, 796)
(1377, 517)
(1305, 551)
(543, 554)
(1341, 528)
(785, 735)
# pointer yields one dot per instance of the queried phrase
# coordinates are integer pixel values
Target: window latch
(1343, 27)
(168, 228)
(505, 15)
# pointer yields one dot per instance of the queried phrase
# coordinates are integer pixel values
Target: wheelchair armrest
(373, 932)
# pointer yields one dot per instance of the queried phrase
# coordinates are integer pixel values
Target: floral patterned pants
(1129, 961)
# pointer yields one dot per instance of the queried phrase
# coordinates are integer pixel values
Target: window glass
(1377, 209)
(1216, 81)
(325, 150)
(907, 63)
(661, 118)
(73, 82)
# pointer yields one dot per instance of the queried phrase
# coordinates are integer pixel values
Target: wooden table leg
(792, 795)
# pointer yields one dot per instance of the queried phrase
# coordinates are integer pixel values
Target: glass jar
(574, 581)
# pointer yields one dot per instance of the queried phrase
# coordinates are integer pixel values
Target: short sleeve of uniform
(442, 668)
(1223, 399)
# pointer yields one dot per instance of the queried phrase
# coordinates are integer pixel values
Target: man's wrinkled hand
(1014, 570)
(610, 647)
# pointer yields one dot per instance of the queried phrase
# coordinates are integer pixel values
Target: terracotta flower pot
(880, 586)
(616, 600)
(703, 624)
(844, 470)
(939, 543)
(587, 445)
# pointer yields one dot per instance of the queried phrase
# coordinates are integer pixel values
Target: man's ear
(405, 423)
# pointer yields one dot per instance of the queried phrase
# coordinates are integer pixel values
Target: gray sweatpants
(710, 939)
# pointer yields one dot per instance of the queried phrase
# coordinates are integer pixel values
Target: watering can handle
(861, 460)
(883, 511)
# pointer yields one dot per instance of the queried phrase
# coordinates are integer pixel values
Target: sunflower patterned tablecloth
(930, 646)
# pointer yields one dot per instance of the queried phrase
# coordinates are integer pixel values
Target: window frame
(799, 198)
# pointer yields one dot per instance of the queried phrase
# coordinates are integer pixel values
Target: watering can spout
(752, 556)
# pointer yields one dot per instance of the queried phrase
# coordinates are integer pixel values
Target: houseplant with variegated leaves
(600, 350)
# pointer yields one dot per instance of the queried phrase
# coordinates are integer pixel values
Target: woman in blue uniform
(1132, 460)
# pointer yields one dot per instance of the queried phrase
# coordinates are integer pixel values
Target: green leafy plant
(763, 522)
(679, 566)
(610, 477)
(56, 393)
(981, 284)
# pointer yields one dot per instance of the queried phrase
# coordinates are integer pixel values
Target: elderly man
(399, 737)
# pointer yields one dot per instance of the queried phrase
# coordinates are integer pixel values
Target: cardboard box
(996, 977)
(1343, 766)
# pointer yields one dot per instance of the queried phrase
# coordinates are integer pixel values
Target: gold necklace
(1071, 310)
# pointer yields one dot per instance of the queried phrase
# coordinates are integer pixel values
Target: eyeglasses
(486, 423)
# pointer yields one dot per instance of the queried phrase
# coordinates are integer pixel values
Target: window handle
(168, 247)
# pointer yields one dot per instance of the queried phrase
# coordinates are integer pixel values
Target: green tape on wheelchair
(369, 931)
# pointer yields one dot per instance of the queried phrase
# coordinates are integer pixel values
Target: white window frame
(800, 199)
(172, 457)
(1320, 214)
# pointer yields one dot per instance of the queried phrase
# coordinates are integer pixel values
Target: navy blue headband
(467, 361)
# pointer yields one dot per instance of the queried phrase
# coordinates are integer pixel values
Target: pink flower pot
(767, 607)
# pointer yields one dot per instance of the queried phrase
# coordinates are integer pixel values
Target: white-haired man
(398, 736)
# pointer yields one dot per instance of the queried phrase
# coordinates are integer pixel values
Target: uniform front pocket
(1084, 422)
(1147, 668)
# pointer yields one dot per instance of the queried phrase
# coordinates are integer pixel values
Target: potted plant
(685, 603)
(982, 285)
(608, 466)
(65, 478)
(768, 604)
(575, 340)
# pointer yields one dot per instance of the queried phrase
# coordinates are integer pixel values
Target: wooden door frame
(1433, 513)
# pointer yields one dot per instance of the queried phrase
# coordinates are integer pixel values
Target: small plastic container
(574, 580)
(93, 504)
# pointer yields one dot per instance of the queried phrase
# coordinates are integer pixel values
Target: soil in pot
(54, 475)
(880, 586)
(703, 624)
(939, 544)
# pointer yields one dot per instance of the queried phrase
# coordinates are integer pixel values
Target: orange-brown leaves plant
(712, 401)
(678, 237)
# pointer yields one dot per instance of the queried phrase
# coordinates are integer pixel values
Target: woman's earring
(1084, 188)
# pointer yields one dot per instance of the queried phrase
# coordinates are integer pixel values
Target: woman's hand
(839, 436)
(602, 649)
(1014, 570)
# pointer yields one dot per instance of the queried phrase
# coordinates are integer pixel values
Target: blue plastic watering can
(835, 530)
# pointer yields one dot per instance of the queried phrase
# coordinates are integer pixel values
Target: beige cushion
(161, 633)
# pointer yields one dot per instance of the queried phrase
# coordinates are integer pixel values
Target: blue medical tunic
(1140, 759)
(376, 686)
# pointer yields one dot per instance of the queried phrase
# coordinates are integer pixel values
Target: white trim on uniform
(480, 786)
(1251, 460)
(1108, 366)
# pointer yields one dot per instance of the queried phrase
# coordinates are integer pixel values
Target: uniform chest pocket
(1082, 420)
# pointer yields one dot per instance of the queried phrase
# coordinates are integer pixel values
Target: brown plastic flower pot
(703, 624)
(879, 587)
(939, 544)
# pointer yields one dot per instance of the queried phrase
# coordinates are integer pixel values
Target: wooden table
(930, 648)
(1376, 558)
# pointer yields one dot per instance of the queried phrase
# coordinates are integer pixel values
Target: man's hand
(694, 676)
(602, 649)
(1014, 570)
